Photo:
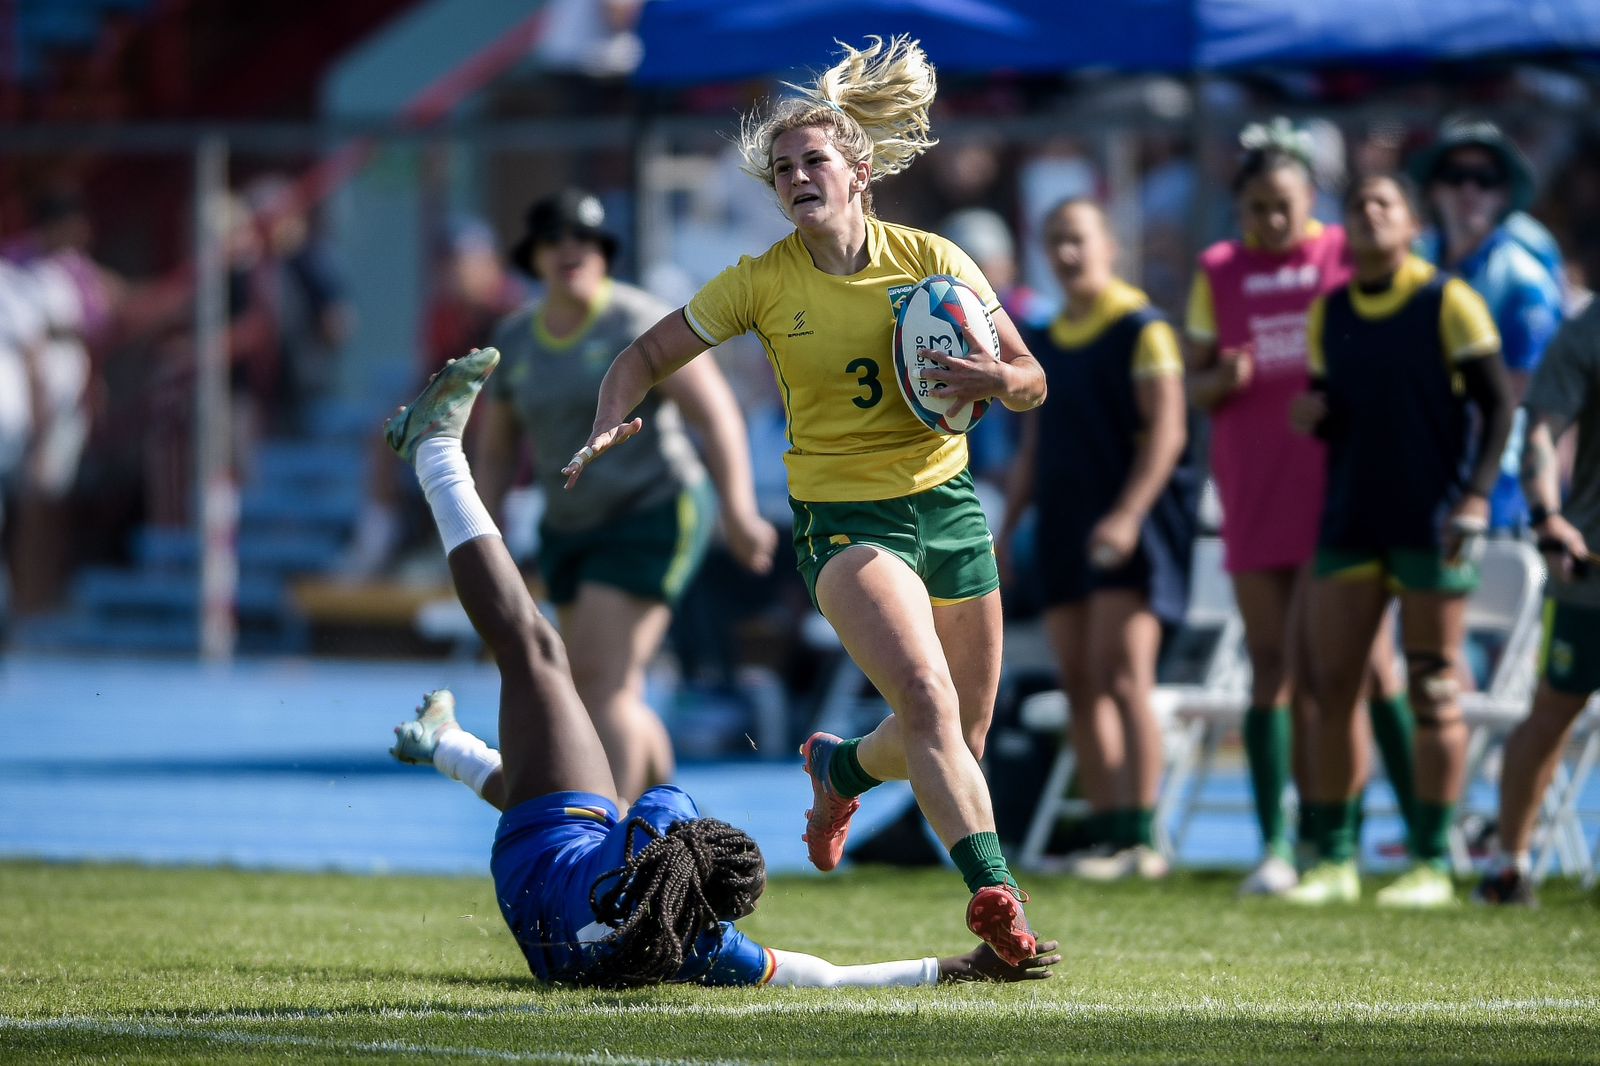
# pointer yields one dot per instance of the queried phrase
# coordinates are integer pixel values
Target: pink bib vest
(1269, 478)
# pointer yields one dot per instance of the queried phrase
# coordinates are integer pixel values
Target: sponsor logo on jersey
(1285, 279)
(800, 325)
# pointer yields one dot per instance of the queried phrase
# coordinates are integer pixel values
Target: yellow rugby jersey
(830, 340)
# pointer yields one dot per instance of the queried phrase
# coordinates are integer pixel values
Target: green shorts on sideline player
(941, 534)
(1404, 569)
(1570, 658)
(651, 553)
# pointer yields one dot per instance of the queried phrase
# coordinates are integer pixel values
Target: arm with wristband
(1560, 390)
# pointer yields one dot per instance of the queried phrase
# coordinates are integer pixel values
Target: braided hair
(665, 896)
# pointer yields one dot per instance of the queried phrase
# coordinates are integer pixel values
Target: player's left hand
(599, 443)
(751, 539)
(982, 964)
(967, 380)
(1113, 540)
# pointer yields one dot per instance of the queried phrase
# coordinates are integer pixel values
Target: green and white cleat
(1326, 883)
(1422, 887)
(415, 741)
(442, 407)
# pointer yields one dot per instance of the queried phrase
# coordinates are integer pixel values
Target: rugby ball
(930, 319)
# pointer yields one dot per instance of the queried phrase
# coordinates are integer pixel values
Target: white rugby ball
(930, 319)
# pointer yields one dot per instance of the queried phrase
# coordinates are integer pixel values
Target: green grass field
(123, 963)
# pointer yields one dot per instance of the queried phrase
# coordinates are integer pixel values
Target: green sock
(980, 862)
(1144, 827)
(1101, 827)
(845, 773)
(1266, 744)
(1309, 833)
(1394, 728)
(1432, 839)
(1336, 828)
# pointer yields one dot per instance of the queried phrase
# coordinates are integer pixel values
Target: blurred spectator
(591, 37)
(1474, 178)
(1565, 395)
(75, 298)
(985, 237)
(1401, 360)
(1057, 171)
(1247, 324)
(23, 334)
(1104, 465)
(314, 319)
(472, 292)
(618, 548)
(251, 345)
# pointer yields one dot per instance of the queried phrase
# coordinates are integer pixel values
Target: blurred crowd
(97, 368)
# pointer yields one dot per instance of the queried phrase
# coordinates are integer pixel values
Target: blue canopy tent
(699, 41)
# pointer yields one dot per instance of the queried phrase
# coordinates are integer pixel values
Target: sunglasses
(1456, 177)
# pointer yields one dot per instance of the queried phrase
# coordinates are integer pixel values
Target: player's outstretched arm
(638, 368)
(798, 970)
(982, 964)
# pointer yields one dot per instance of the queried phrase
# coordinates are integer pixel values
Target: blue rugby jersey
(548, 853)
(1525, 301)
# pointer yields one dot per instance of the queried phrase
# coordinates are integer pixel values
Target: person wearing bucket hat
(1478, 186)
(618, 551)
(571, 211)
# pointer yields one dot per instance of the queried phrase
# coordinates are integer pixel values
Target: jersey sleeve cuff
(699, 330)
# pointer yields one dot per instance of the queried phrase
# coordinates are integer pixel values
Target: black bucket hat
(568, 211)
(1477, 133)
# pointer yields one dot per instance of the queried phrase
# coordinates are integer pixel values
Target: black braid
(663, 898)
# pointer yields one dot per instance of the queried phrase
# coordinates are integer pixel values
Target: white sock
(447, 483)
(462, 757)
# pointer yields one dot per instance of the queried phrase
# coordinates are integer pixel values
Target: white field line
(780, 1003)
(141, 1030)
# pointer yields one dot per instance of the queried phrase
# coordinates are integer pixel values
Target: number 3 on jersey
(867, 377)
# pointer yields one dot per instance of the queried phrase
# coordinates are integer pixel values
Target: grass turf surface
(205, 965)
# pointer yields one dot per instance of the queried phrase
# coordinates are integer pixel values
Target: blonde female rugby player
(592, 898)
(888, 532)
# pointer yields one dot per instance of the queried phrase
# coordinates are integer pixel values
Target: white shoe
(1421, 887)
(1326, 883)
(1273, 877)
(1140, 860)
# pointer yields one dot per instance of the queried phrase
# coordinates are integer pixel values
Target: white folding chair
(1215, 686)
(1504, 616)
(1559, 833)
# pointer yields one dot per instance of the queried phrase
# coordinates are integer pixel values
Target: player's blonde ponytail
(874, 101)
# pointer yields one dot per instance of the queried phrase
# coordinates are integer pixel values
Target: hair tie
(1279, 134)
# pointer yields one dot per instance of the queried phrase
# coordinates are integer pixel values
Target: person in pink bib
(1247, 324)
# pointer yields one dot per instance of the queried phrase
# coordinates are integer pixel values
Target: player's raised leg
(546, 738)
